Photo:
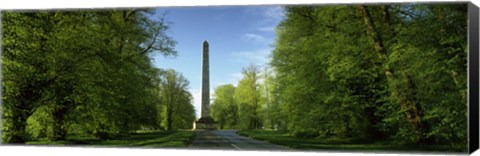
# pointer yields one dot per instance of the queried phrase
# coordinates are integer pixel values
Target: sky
(237, 36)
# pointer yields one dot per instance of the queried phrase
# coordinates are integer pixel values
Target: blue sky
(237, 35)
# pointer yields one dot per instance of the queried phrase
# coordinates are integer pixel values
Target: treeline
(394, 73)
(90, 73)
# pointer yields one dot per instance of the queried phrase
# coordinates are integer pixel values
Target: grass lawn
(285, 139)
(146, 139)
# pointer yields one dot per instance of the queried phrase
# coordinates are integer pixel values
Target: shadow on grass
(148, 139)
(282, 138)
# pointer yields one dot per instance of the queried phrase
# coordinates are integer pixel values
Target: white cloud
(255, 38)
(230, 79)
(236, 76)
(274, 12)
(258, 57)
(267, 29)
(269, 16)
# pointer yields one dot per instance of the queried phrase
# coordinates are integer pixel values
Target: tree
(173, 90)
(374, 77)
(224, 107)
(248, 98)
(421, 75)
(185, 112)
(87, 69)
(270, 107)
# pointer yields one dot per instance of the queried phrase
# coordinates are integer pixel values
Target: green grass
(285, 139)
(145, 139)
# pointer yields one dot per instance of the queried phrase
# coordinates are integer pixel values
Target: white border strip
(76, 4)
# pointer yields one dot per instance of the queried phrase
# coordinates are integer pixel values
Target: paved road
(229, 140)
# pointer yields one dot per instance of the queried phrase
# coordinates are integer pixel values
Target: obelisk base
(206, 123)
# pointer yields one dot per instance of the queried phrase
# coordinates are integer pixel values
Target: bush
(306, 133)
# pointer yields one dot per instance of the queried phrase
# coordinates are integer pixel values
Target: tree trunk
(405, 99)
(62, 107)
(169, 119)
(17, 133)
(160, 108)
(59, 131)
(170, 114)
(20, 113)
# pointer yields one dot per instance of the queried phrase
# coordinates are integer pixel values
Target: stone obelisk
(205, 82)
(205, 121)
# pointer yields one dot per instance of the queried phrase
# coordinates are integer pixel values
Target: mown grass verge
(147, 139)
(285, 139)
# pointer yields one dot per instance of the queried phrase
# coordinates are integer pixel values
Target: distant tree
(270, 107)
(247, 96)
(184, 115)
(224, 107)
(174, 95)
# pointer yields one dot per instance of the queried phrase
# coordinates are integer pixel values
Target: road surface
(229, 140)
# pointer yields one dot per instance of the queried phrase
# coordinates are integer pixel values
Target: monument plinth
(205, 121)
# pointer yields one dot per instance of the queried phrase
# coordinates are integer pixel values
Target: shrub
(309, 133)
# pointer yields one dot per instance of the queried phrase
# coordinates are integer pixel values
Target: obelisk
(205, 82)
(205, 121)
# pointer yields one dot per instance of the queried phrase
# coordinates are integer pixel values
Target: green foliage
(247, 96)
(82, 72)
(176, 100)
(224, 108)
(378, 81)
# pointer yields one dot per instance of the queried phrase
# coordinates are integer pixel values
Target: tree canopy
(90, 72)
(393, 73)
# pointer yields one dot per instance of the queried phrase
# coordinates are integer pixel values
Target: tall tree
(224, 107)
(248, 98)
(85, 60)
(374, 77)
(184, 115)
(173, 86)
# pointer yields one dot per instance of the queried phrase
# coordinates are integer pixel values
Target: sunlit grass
(144, 139)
